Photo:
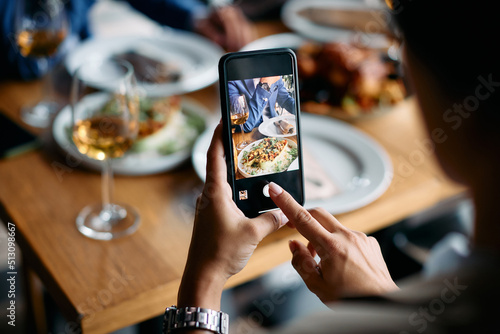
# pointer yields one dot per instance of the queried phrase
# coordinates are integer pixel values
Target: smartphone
(14, 140)
(261, 120)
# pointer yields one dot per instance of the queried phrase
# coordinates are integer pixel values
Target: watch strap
(195, 317)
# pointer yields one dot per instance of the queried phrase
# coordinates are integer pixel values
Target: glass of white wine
(41, 27)
(239, 115)
(105, 110)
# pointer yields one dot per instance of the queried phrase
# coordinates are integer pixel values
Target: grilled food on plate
(268, 155)
(347, 78)
(265, 153)
(163, 125)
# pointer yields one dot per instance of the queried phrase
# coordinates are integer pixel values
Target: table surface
(105, 286)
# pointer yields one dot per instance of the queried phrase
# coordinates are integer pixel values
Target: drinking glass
(239, 115)
(40, 27)
(105, 116)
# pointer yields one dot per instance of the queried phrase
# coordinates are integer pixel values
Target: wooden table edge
(32, 264)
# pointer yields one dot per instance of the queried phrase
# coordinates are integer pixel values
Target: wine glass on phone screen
(40, 27)
(105, 110)
(239, 115)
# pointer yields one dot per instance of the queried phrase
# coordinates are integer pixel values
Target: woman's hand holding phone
(351, 263)
(223, 238)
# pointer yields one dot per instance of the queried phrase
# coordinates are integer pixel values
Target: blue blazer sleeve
(256, 105)
(283, 98)
(256, 98)
(174, 13)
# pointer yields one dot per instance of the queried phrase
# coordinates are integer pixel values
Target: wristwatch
(195, 317)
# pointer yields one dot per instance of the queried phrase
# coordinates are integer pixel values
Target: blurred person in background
(223, 23)
(262, 96)
(450, 59)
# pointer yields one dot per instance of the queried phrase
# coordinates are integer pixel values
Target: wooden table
(106, 285)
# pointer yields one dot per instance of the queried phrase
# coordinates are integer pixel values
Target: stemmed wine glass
(40, 27)
(239, 115)
(105, 110)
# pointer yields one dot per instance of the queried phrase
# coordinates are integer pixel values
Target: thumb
(306, 266)
(267, 223)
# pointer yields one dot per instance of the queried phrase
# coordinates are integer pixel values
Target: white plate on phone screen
(360, 167)
(269, 129)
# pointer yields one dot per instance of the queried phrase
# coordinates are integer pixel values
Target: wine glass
(239, 115)
(40, 26)
(105, 116)
(278, 109)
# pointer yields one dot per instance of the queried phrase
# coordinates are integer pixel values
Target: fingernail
(292, 246)
(284, 219)
(275, 189)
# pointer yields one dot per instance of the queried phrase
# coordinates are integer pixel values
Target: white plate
(195, 56)
(292, 166)
(294, 21)
(267, 128)
(133, 163)
(358, 165)
(284, 40)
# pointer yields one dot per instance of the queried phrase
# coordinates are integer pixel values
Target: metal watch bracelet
(196, 318)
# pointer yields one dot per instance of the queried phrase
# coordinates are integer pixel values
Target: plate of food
(174, 62)
(168, 128)
(338, 20)
(266, 156)
(344, 80)
(280, 126)
(344, 169)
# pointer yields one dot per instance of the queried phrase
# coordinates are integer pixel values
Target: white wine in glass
(105, 124)
(239, 115)
(239, 119)
(102, 137)
(39, 43)
(41, 27)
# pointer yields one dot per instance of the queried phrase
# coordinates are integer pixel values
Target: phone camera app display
(243, 195)
(263, 125)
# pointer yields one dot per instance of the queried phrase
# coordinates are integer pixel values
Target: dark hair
(456, 39)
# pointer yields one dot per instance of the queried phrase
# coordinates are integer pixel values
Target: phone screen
(262, 117)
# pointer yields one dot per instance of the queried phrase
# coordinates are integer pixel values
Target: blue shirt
(175, 13)
(258, 98)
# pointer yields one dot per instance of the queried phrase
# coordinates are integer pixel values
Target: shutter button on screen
(265, 190)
